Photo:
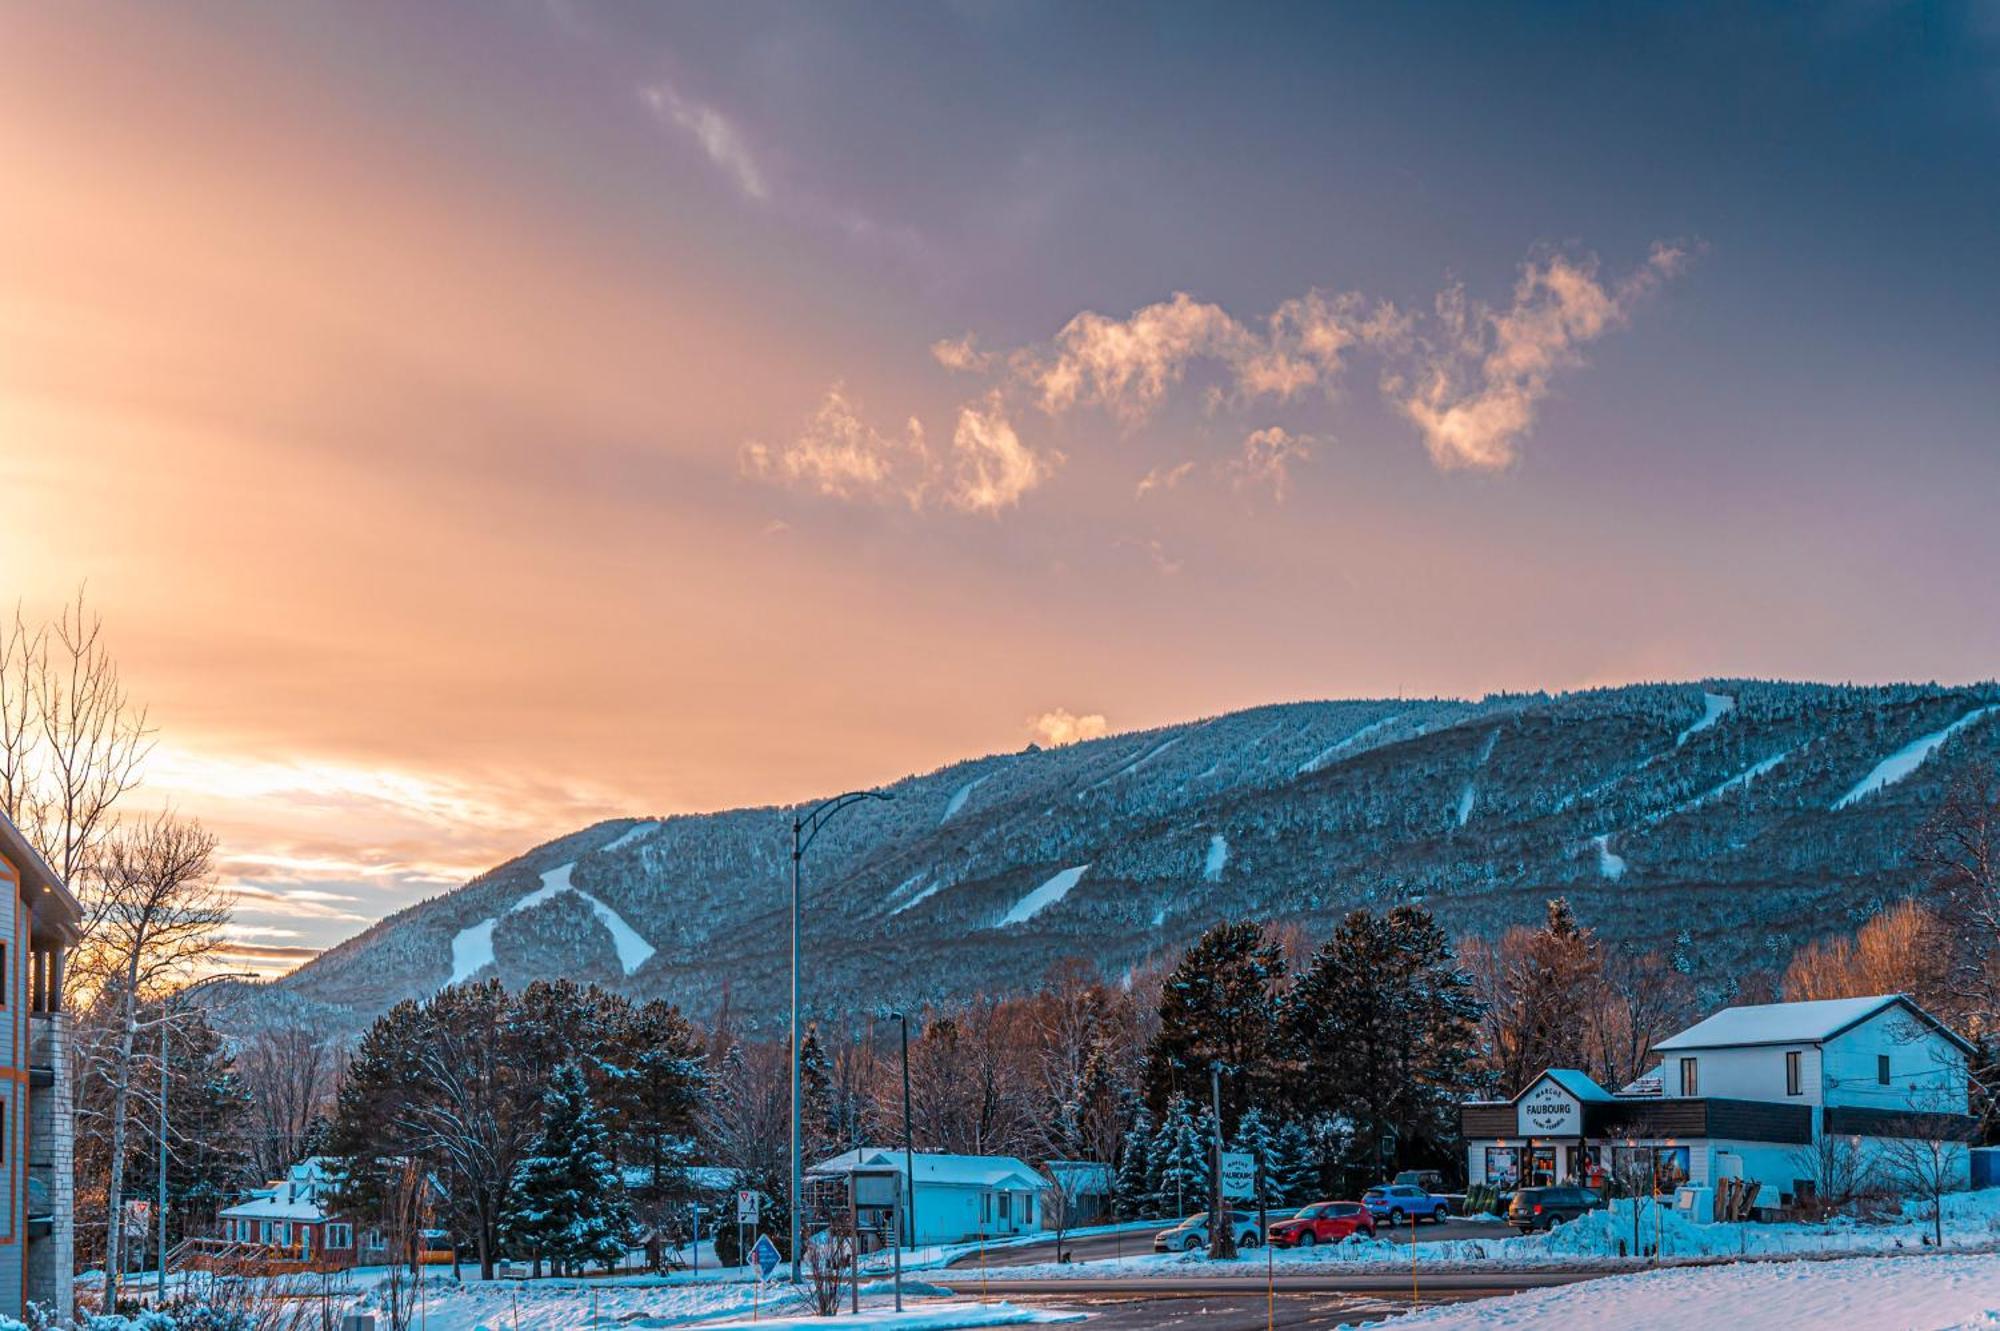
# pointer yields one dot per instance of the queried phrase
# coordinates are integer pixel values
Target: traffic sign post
(765, 1255)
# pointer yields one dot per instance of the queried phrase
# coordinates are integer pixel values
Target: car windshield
(1199, 1217)
(1310, 1213)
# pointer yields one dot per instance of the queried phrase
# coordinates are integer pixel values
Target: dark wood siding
(1760, 1121)
(1646, 1118)
(1488, 1120)
(1856, 1121)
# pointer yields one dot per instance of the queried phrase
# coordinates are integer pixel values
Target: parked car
(1545, 1208)
(1323, 1222)
(1398, 1202)
(1191, 1234)
(1427, 1179)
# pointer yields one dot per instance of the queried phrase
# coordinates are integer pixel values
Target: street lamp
(906, 1223)
(804, 830)
(160, 1201)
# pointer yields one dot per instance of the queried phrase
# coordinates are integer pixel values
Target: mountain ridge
(1732, 829)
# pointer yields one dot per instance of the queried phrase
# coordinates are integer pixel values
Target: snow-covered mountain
(1734, 819)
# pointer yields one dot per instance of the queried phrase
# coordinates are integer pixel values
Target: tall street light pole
(803, 831)
(906, 1220)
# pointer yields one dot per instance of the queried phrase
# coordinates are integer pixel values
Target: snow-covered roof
(1087, 1174)
(274, 1208)
(1812, 1022)
(981, 1171)
(1578, 1084)
(1646, 1084)
(293, 1197)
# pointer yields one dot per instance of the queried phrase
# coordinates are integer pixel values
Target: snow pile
(1039, 900)
(1908, 758)
(1932, 1293)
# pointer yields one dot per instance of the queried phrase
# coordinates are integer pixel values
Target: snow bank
(926, 1317)
(1928, 1293)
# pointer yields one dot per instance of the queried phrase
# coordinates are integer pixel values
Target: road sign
(765, 1254)
(1239, 1175)
(746, 1207)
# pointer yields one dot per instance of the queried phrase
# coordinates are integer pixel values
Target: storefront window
(1503, 1166)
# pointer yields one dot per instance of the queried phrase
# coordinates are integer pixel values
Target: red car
(1323, 1222)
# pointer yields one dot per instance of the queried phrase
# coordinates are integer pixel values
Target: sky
(474, 420)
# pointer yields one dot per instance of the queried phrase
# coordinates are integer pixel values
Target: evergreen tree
(1179, 1155)
(1137, 1178)
(1219, 1006)
(1382, 1029)
(569, 1202)
(819, 1115)
(1294, 1170)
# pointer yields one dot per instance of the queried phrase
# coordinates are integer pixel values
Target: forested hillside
(1725, 822)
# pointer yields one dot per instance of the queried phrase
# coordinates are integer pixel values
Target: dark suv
(1545, 1208)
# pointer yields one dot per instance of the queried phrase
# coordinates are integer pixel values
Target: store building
(1749, 1093)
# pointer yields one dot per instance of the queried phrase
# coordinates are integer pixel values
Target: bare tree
(1959, 849)
(160, 915)
(72, 741)
(1837, 1170)
(1923, 1154)
(1062, 1197)
(292, 1074)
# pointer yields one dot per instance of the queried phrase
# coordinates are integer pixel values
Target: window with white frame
(339, 1236)
(1795, 1076)
(1690, 1077)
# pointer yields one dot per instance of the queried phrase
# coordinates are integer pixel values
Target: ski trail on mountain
(1908, 759)
(1714, 706)
(1039, 900)
(1217, 859)
(472, 949)
(1332, 751)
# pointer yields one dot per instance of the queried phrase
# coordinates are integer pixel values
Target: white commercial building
(1766, 1092)
(957, 1198)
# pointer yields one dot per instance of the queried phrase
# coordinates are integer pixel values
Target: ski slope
(1039, 900)
(1908, 759)
(472, 949)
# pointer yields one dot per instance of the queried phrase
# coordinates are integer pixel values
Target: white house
(958, 1198)
(1749, 1093)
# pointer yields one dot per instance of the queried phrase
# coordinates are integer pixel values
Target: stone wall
(51, 1259)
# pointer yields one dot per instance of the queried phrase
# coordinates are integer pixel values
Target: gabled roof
(1578, 1084)
(45, 893)
(1812, 1022)
(982, 1171)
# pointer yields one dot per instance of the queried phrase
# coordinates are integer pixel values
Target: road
(1098, 1247)
(1223, 1303)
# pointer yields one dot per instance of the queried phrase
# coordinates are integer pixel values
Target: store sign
(1547, 1110)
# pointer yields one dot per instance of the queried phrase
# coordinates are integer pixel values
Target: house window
(1689, 1081)
(1882, 1069)
(1027, 1208)
(340, 1236)
(1794, 1072)
(374, 1240)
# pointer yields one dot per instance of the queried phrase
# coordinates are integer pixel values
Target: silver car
(1191, 1234)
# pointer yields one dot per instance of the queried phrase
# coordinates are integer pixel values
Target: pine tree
(1137, 1176)
(1178, 1152)
(819, 1116)
(1295, 1173)
(569, 1202)
(1219, 1006)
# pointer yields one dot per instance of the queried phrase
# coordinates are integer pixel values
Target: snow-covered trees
(1180, 1155)
(1382, 1029)
(1138, 1179)
(458, 1084)
(568, 1202)
(1219, 1007)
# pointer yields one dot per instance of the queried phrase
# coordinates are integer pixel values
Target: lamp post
(160, 1200)
(908, 1216)
(804, 830)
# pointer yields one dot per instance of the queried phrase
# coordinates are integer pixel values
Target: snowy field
(1911, 1293)
(1972, 1223)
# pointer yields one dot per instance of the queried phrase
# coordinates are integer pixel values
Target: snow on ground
(1218, 857)
(924, 894)
(1466, 799)
(1911, 1293)
(1908, 758)
(1610, 864)
(1972, 1221)
(1714, 706)
(1039, 900)
(1741, 781)
(958, 799)
(927, 1317)
(631, 836)
(1332, 751)
(1470, 795)
(473, 948)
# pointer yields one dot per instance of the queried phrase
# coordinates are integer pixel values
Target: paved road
(1098, 1247)
(1222, 1303)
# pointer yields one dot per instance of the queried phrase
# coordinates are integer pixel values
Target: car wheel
(1247, 1241)
(1307, 1239)
(1191, 1243)
(1396, 1215)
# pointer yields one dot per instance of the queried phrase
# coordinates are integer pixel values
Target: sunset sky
(476, 420)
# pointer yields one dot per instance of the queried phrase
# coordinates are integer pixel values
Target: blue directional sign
(765, 1254)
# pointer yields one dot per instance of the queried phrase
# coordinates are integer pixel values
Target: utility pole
(1221, 1233)
(906, 1207)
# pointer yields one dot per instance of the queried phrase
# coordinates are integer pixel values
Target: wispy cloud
(718, 137)
(1490, 369)
(960, 353)
(1162, 478)
(841, 456)
(1062, 726)
(1127, 365)
(1267, 459)
(986, 469)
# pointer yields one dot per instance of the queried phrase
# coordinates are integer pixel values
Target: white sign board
(747, 1204)
(1547, 1110)
(1239, 1175)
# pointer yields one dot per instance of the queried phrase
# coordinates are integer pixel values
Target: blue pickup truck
(1398, 1202)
